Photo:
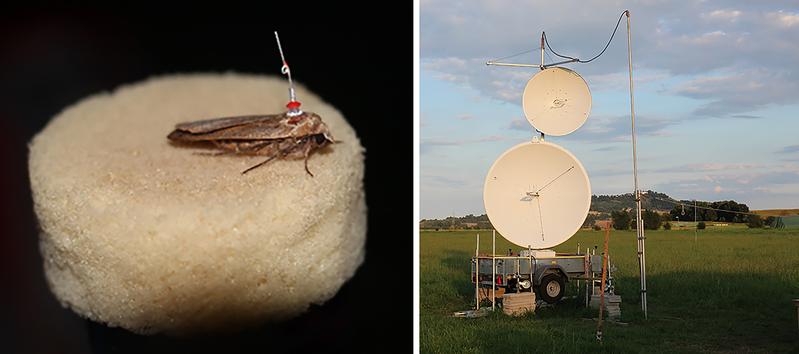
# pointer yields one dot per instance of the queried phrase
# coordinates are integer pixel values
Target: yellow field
(777, 212)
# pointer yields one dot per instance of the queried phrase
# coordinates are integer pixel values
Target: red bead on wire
(292, 105)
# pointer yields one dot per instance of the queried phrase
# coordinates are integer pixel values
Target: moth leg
(307, 156)
(259, 164)
(217, 153)
(280, 154)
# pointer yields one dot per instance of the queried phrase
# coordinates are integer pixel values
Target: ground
(727, 290)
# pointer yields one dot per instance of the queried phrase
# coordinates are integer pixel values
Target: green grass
(791, 221)
(730, 291)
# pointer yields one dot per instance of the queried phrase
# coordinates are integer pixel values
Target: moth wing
(210, 125)
(252, 131)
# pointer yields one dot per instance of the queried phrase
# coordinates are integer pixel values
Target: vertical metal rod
(638, 222)
(532, 281)
(602, 286)
(587, 267)
(578, 252)
(542, 51)
(493, 270)
(696, 226)
(477, 274)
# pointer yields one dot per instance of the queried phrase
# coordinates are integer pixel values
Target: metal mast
(639, 225)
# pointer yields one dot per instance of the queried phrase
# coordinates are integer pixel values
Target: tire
(551, 288)
(511, 288)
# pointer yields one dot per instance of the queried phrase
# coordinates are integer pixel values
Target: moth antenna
(293, 105)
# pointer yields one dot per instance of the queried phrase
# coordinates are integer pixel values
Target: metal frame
(590, 269)
(641, 237)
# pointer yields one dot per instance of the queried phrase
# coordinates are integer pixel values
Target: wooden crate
(485, 294)
(518, 304)
(612, 305)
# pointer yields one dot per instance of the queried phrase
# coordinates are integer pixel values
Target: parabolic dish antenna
(556, 101)
(537, 194)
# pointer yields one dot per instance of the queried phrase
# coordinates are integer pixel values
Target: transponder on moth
(290, 135)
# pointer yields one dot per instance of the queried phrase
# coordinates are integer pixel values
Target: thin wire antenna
(554, 179)
(683, 204)
(515, 55)
(293, 105)
(540, 217)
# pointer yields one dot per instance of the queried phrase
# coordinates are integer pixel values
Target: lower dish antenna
(537, 194)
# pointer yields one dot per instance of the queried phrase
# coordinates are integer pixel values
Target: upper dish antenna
(556, 101)
(537, 194)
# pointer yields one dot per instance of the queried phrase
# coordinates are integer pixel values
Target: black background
(357, 59)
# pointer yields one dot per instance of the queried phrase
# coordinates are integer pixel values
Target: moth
(290, 135)
(277, 136)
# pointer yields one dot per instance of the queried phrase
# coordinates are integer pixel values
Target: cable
(544, 34)
(551, 60)
(701, 207)
(596, 56)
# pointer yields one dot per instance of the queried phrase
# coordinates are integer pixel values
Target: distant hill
(650, 200)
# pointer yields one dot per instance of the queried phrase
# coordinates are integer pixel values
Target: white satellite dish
(537, 194)
(556, 101)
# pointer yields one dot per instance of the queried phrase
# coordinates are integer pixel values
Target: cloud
(520, 124)
(427, 144)
(790, 149)
(502, 84)
(606, 148)
(465, 117)
(440, 181)
(737, 58)
(618, 128)
(760, 188)
(784, 19)
(710, 167)
(723, 15)
(742, 91)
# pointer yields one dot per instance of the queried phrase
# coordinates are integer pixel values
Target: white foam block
(138, 233)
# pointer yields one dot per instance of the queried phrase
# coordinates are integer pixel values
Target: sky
(716, 96)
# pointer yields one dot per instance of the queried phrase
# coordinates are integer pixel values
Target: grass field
(730, 291)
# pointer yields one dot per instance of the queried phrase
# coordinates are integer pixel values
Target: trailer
(543, 271)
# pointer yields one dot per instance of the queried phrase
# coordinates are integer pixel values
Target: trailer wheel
(551, 288)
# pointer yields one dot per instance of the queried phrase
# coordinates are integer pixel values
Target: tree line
(625, 220)
(659, 211)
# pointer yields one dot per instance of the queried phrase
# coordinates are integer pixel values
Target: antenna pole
(542, 51)
(638, 222)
